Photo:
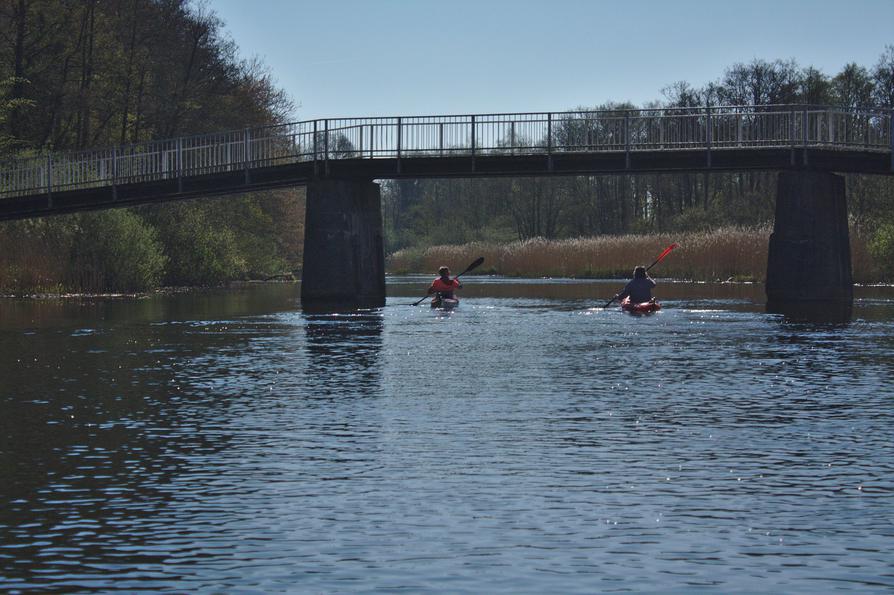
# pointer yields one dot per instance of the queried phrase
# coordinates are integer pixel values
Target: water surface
(527, 442)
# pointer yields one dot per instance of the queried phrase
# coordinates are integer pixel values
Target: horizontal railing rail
(661, 129)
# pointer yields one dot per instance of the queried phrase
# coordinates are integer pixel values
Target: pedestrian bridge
(338, 159)
(768, 137)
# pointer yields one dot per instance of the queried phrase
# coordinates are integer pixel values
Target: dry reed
(740, 254)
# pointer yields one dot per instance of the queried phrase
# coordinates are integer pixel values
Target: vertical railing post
(805, 127)
(179, 165)
(549, 134)
(549, 141)
(49, 180)
(473, 136)
(372, 141)
(791, 135)
(399, 141)
(316, 149)
(891, 135)
(473, 142)
(738, 128)
(709, 134)
(660, 120)
(361, 140)
(830, 114)
(805, 133)
(246, 153)
(441, 139)
(512, 137)
(326, 146)
(115, 173)
(627, 139)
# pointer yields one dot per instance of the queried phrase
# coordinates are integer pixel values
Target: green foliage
(115, 251)
(883, 78)
(198, 251)
(88, 74)
(882, 249)
(251, 227)
(214, 241)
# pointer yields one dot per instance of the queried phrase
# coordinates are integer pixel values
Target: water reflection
(526, 442)
(833, 312)
(344, 349)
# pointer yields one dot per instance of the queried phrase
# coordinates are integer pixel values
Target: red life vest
(444, 287)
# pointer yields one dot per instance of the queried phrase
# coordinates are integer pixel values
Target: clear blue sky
(417, 57)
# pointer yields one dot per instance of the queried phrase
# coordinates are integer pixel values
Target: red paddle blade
(667, 251)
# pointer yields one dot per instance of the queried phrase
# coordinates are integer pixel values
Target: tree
(115, 251)
(815, 88)
(760, 83)
(883, 79)
(104, 72)
(852, 87)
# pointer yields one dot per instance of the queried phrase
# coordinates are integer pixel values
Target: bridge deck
(570, 143)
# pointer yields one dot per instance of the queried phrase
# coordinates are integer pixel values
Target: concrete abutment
(809, 260)
(344, 254)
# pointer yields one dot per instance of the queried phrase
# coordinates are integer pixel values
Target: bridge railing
(542, 133)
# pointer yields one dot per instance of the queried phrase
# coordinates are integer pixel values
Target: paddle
(474, 265)
(657, 260)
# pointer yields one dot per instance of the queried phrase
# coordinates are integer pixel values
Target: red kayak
(640, 308)
(444, 303)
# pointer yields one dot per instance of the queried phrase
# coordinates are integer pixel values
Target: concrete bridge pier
(809, 260)
(344, 257)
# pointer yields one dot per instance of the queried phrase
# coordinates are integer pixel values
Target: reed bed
(724, 254)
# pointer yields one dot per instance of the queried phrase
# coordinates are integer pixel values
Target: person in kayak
(443, 287)
(639, 288)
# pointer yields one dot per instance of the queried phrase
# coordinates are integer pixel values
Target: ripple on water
(516, 444)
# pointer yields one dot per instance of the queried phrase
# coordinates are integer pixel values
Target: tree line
(454, 211)
(86, 73)
(90, 73)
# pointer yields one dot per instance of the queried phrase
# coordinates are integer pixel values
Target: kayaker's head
(639, 272)
(444, 272)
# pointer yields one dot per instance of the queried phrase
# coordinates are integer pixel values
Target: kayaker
(639, 288)
(444, 286)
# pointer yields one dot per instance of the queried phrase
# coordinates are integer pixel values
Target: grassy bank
(702, 256)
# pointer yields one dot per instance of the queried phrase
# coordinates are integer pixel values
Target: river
(220, 441)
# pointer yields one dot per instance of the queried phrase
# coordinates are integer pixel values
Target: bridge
(337, 159)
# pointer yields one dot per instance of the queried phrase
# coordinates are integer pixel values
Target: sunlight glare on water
(526, 442)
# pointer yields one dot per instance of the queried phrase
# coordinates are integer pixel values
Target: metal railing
(669, 129)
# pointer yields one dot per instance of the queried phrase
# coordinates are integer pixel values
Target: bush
(115, 251)
(881, 246)
(198, 251)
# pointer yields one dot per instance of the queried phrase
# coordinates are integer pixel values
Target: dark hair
(639, 272)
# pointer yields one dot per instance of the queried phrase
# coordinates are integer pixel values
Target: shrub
(199, 252)
(881, 246)
(115, 251)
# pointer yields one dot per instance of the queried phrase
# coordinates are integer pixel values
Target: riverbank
(720, 255)
(50, 294)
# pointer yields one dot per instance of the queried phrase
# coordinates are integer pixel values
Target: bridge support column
(344, 258)
(809, 260)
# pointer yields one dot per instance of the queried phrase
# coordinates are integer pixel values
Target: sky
(357, 58)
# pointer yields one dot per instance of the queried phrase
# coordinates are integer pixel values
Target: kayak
(640, 308)
(444, 303)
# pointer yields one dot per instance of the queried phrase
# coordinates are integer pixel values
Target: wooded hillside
(90, 73)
